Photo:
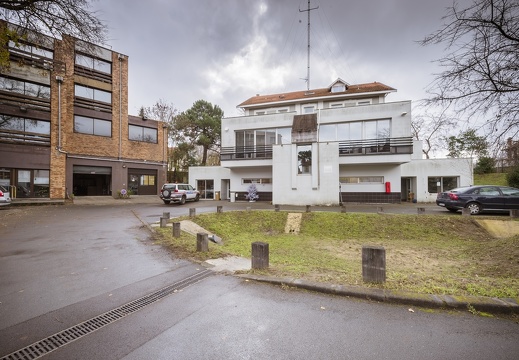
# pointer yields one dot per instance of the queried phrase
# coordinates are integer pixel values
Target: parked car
(178, 193)
(483, 198)
(5, 196)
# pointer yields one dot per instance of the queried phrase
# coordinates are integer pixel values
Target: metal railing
(246, 152)
(388, 146)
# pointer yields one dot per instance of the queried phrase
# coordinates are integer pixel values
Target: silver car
(5, 196)
(178, 193)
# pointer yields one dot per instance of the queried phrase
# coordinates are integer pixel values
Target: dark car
(483, 198)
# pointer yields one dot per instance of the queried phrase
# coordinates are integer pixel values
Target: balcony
(246, 152)
(388, 146)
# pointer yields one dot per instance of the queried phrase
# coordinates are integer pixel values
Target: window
(362, 180)
(442, 183)
(94, 64)
(93, 94)
(327, 132)
(304, 159)
(91, 126)
(357, 130)
(339, 87)
(364, 102)
(308, 109)
(256, 181)
(147, 180)
(262, 137)
(25, 88)
(140, 133)
(31, 50)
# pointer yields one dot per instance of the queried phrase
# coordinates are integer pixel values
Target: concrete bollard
(465, 212)
(308, 208)
(260, 255)
(420, 210)
(380, 209)
(514, 213)
(248, 208)
(202, 242)
(166, 215)
(192, 212)
(343, 209)
(373, 264)
(219, 209)
(163, 222)
(276, 207)
(176, 229)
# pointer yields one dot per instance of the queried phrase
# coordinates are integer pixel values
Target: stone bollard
(514, 213)
(202, 243)
(307, 208)
(192, 212)
(343, 209)
(166, 215)
(219, 209)
(465, 212)
(176, 229)
(163, 222)
(248, 208)
(276, 207)
(380, 209)
(260, 255)
(373, 264)
(421, 210)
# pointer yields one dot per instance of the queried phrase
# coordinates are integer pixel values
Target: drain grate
(53, 342)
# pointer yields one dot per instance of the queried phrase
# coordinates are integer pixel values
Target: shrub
(513, 177)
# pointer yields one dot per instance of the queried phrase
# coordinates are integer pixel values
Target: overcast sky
(225, 51)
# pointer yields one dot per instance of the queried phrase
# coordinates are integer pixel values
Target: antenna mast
(308, 9)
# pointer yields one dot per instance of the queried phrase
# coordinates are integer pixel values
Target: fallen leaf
(411, 310)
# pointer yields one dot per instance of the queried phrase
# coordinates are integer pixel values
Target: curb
(483, 304)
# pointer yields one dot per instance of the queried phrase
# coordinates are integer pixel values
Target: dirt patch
(293, 225)
(500, 228)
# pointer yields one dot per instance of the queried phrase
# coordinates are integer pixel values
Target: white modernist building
(339, 144)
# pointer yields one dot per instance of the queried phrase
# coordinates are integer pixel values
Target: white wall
(321, 187)
(422, 169)
(216, 173)
(390, 172)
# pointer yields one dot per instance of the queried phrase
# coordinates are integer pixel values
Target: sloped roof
(298, 96)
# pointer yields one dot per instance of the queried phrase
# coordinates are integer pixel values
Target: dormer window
(338, 87)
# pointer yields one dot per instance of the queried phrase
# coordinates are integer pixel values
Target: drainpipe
(121, 58)
(59, 79)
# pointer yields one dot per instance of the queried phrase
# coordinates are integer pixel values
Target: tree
(467, 144)
(485, 165)
(200, 125)
(54, 17)
(481, 76)
(430, 128)
(513, 177)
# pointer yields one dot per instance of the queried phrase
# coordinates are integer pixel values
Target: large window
(91, 126)
(25, 125)
(356, 130)
(441, 183)
(261, 137)
(94, 64)
(30, 50)
(25, 88)
(140, 133)
(304, 159)
(93, 94)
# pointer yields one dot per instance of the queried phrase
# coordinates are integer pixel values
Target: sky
(226, 51)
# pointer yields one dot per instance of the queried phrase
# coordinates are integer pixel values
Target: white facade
(321, 147)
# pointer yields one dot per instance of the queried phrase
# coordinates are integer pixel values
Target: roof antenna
(308, 9)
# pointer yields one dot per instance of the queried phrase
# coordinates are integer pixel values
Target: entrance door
(206, 188)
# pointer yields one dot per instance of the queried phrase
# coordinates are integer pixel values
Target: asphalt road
(63, 265)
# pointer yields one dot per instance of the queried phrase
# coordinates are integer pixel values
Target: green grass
(490, 179)
(425, 253)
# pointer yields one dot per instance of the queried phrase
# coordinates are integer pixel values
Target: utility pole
(308, 9)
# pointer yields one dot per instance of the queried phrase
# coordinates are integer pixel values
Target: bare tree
(481, 76)
(431, 128)
(52, 17)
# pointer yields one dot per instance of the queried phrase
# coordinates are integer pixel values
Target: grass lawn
(430, 254)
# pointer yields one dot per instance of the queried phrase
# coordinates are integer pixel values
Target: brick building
(64, 123)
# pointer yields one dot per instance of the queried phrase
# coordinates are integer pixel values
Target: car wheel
(452, 210)
(474, 208)
(166, 202)
(197, 197)
(183, 200)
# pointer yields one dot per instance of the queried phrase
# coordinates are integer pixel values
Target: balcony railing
(25, 138)
(388, 146)
(246, 152)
